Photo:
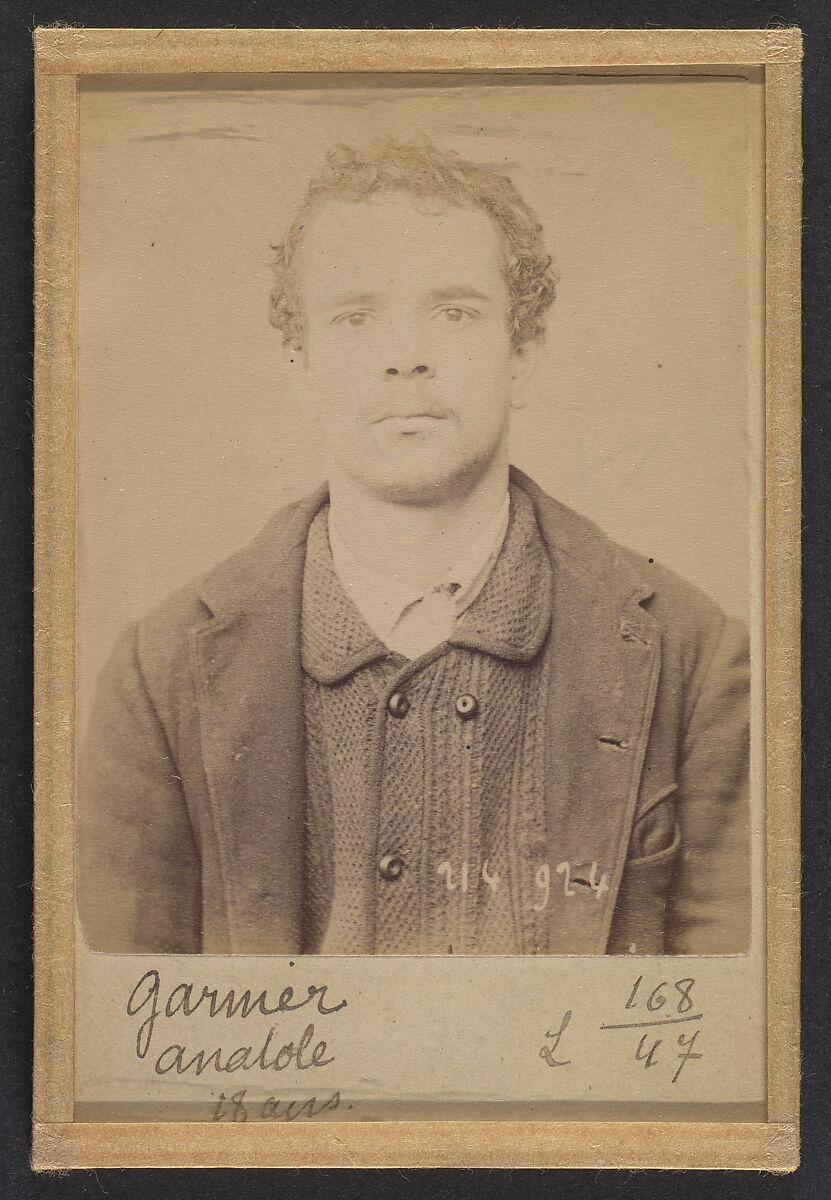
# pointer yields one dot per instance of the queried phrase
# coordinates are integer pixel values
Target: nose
(425, 369)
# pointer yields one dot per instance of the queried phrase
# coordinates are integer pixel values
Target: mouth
(410, 423)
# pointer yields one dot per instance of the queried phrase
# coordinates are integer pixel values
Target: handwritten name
(149, 1000)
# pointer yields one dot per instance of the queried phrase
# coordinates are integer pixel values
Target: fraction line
(666, 1021)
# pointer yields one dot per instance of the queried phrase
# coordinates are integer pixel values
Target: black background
(16, 206)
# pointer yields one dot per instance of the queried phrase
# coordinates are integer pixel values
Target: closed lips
(426, 415)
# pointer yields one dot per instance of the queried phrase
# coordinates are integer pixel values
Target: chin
(431, 484)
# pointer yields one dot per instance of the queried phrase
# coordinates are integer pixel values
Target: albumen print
(429, 706)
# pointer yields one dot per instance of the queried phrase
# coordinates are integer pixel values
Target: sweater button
(398, 705)
(390, 867)
(467, 706)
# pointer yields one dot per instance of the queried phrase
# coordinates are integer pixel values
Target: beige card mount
(507, 876)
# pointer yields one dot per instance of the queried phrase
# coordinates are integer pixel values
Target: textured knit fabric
(451, 783)
(411, 620)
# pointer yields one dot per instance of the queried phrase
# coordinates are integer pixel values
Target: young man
(429, 709)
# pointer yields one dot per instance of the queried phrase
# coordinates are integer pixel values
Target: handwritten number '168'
(657, 997)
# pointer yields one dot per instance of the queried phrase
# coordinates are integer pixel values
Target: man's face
(407, 351)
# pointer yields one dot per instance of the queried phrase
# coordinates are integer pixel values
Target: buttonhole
(617, 743)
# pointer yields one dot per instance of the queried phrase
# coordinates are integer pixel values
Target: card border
(62, 57)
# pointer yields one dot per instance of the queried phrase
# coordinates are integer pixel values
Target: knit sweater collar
(509, 619)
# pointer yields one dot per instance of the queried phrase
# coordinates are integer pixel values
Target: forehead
(390, 240)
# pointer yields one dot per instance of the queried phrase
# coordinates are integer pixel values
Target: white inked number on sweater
(573, 884)
(446, 869)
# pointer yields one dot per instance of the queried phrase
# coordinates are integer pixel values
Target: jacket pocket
(655, 826)
(639, 923)
(667, 853)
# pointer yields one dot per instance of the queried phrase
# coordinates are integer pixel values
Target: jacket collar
(509, 618)
(254, 573)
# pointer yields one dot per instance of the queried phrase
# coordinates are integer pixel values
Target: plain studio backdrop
(649, 190)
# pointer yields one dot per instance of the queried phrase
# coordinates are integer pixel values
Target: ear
(523, 366)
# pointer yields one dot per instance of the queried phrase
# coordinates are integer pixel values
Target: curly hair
(419, 169)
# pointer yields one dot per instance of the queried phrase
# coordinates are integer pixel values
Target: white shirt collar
(383, 600)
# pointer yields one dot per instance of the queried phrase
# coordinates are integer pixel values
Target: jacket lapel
(246, 661)
(604, 661)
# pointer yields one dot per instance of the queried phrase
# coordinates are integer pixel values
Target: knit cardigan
(449, 778)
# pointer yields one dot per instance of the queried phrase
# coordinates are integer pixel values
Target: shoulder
(243, 580)
(683, 612)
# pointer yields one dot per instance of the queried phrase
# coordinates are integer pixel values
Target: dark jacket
(192, 788)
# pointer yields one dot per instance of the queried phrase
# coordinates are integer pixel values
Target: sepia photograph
(430, 707)
(424, 666)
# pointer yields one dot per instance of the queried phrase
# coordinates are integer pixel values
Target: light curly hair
(419, 169)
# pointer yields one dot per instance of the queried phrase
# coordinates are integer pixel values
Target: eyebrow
(459, 293)
(351, 298)
(454, 292)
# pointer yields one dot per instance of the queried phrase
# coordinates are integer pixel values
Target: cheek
(480, 377)
(336, 395)
(483, 352)
(333, 360)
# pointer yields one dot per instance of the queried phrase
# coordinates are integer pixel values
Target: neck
(413, 543)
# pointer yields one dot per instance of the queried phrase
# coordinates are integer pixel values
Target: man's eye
(458, 315)
(353, 319)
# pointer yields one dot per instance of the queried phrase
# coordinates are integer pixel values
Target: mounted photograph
(429, 708)
(421, 588)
